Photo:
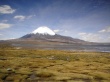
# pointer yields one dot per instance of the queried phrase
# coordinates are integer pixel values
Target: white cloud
(56, 31)
(11, 38)
(91, 37)
(82, 33)
(4, 20)
(20, 17)
(6, 9)
(30, 16)
(109, 39)
(5, 25)
(1, 34)
(65, 31)
(5, 38)
(60, 31)
(105, 30)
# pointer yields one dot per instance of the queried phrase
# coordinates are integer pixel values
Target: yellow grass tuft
(54, 66)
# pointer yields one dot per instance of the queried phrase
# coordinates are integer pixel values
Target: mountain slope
(46, 34)
(56, 37)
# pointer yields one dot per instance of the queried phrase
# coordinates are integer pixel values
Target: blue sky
(84, 19)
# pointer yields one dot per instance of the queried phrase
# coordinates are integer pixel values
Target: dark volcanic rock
(56, 37)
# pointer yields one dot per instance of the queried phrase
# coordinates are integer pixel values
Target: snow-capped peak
(43, 30)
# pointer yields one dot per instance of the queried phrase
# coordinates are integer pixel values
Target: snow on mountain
(43, 30)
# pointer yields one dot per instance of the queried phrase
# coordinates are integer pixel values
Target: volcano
(45, 38)
(46, 34)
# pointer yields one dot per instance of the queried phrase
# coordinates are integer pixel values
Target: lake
(97, 48)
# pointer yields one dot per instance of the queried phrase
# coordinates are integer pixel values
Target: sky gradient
(84, 19)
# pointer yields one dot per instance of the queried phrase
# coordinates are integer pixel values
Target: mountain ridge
(54, 38)
(46, 34)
